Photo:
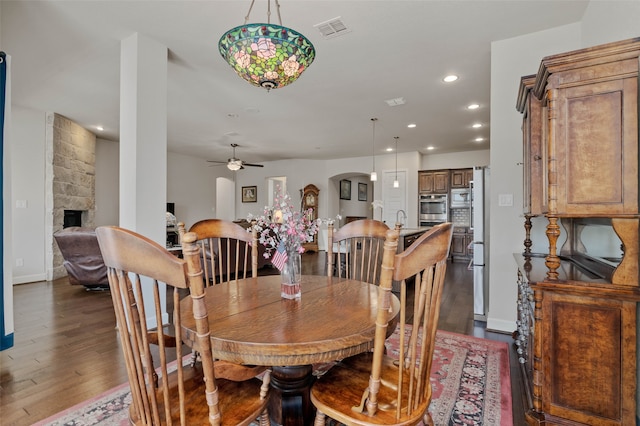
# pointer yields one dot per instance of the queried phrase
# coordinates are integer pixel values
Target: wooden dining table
(250, 323)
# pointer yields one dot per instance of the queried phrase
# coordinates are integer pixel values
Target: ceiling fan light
(234, 165)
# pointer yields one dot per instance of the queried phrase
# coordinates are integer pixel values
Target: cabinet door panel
(457, 179)
(592, 139)
(586, 351)
(457, 245)
(425, 182)
(468, 177)
(441, 182)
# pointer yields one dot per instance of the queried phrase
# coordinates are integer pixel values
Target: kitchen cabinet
(408, 236)
(534, 151)
(461, 248)
(433, 182)
(460, 178)
(578, 314)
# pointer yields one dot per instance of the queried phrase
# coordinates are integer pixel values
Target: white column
(143, 143)
(143, 136)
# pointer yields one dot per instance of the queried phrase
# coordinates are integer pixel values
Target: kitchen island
(409, 235)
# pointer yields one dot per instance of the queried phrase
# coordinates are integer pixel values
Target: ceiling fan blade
(252, 165)
(214, 161)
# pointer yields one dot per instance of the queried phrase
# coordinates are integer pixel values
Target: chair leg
(426, 419)
(264, 418)
(320, 417)
(194, 358)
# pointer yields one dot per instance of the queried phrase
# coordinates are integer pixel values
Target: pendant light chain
(374, 175)
(396, 138)
(246, 18)
(396, 183)
(278, 10)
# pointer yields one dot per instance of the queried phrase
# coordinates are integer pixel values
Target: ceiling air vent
(395, 102)
(332, 28)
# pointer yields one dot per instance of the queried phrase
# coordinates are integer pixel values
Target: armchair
(82, 257)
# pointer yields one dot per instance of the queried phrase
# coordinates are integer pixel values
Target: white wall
(191, 185)
(225, 207)
(455, 160)
(510, 60)
(608, 21)
(27, 185)
(299, 173)
(107, 182)
(355, 207)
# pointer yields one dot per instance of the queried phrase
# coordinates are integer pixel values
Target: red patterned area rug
(470, 379)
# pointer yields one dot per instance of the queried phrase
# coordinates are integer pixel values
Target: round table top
(250, 323)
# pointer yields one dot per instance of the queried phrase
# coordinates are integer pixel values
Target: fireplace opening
(72, 218)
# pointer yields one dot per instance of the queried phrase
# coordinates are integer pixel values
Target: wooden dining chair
(224, 246)
(355, 250)
(164, 389)
(374, 388)
(228, 250)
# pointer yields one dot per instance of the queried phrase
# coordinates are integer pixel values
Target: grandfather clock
(310, 202)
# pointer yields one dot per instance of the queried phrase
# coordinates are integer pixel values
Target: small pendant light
(374, 175)
(396, 184)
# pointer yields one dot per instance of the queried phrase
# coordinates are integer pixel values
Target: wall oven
(433, 208)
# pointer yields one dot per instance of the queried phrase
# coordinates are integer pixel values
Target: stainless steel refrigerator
(480, 227)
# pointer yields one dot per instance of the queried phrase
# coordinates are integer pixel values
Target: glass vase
(290, 276)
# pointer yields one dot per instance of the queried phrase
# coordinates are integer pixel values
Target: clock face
(311, 200)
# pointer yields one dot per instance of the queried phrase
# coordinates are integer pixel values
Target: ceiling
(66, 59)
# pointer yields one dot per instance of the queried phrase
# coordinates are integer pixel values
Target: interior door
(394, 199)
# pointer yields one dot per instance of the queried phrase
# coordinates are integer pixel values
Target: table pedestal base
(289, 400)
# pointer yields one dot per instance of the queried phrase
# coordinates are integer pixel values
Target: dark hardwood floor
(66, 348)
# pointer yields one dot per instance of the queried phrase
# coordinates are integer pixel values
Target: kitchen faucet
(404, 217)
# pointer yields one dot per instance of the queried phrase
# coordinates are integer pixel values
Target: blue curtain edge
(6, 342)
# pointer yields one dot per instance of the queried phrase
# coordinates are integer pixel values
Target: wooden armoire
(578, 311)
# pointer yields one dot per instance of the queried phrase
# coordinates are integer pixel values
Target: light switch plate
(21, 204)
(505, 200)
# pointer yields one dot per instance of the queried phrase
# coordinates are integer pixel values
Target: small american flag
(279, 257)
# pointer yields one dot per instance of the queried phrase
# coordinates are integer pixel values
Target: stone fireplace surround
(69, 182)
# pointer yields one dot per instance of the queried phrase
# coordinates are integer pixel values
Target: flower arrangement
(283, 226)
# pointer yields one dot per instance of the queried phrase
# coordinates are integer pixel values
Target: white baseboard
(28, 279)
(502, 326)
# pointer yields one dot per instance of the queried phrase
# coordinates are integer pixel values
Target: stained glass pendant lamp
(266, 55)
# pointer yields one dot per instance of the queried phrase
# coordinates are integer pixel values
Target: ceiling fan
(233, 163)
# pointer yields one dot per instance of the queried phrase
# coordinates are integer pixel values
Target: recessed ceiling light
(430, 148)
(476, 125)
(389, 149)
(473, 106)
(479, 139)
(99, 128)
(450, 78)
(411, 126)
